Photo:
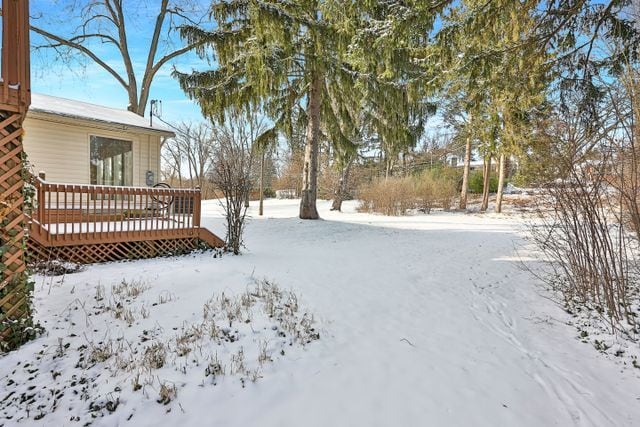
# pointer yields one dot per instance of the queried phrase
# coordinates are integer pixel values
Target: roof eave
(97, 122)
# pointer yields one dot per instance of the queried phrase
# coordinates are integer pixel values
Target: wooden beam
(15, 84)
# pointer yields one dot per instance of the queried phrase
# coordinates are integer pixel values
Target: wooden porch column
(14, 101)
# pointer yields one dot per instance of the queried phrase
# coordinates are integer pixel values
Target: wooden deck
(92, 223)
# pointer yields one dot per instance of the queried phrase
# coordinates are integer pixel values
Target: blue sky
(84, 80)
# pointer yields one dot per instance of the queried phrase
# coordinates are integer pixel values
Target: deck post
(197, 204)
(40, 198)
(15, 288)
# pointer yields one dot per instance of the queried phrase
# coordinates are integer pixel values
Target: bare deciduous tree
(172, 160)
(235, 143)
(195, 144)
(101, 29)
(188, 156)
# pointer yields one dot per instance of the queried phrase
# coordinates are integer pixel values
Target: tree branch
(84, 50)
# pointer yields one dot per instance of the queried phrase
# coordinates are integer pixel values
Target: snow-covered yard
(422, 321)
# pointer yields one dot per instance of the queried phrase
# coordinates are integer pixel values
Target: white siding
(61, 150)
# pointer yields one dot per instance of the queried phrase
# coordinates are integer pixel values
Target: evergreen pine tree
(287, 57)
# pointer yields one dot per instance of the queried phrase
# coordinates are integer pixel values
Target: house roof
(53, 105)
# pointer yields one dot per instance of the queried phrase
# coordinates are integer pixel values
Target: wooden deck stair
(211, 239)
(88, 224)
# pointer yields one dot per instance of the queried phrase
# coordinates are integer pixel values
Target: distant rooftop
(47, 104)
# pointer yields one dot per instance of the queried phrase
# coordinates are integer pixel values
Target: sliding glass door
(111, 161)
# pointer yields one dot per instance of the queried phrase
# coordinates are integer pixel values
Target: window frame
(116, 137)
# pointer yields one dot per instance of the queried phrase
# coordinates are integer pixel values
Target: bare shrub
(585, 235)
(397, 196)
(434, 191)
(426, 193)
(231, 172)
(587, 248)
(446, 191)
(392, 196)
(625, 175)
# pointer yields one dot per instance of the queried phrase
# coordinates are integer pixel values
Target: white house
(457, 161)
(80, 143)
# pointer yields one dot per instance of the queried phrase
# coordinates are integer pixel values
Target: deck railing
(87, 213)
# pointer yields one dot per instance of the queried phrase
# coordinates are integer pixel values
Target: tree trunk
(465, 175)
(388, 168)
(261, 208)
(308, 209)
(343, 185)
(486, 184)
(501, 168)
(404, 164)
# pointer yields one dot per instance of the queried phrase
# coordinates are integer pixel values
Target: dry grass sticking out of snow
(113, 350)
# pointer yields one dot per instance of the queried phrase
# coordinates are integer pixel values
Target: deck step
(210, 239)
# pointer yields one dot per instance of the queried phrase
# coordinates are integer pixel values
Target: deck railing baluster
(101, 212)
(121, 213)
(87, 212)
(139, 209)
(80, 220)
(57, 207)
(95, 217)
(129, 214)
(172, 213)
(146, 211)
(46, 206)
(65, 214)
(156, 210)
(108, 210)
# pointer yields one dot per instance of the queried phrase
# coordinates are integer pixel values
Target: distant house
(80, 143)
(457, 161)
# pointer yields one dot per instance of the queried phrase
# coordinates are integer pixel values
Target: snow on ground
(423, 320)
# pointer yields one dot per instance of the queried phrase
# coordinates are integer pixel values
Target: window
(111, 161)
